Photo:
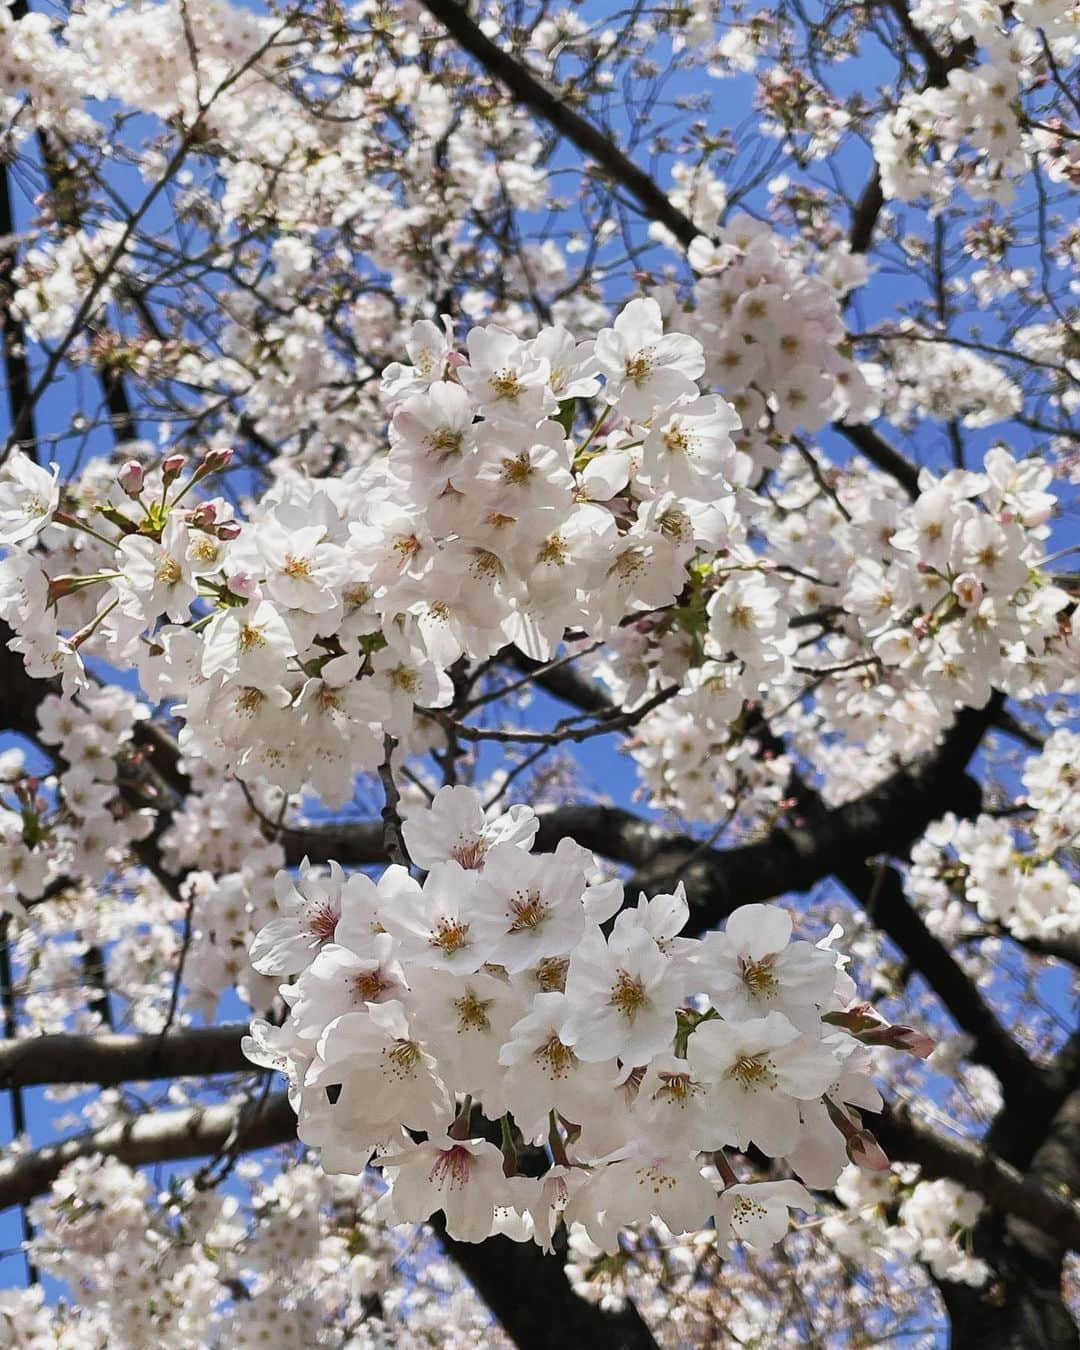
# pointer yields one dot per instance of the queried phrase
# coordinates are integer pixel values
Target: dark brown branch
(555, 110)
(531, 1296)
(198, 1131)
(906, 1139)
(1024, 1307)
(109, 1059)
(880, 890)
(878, 451)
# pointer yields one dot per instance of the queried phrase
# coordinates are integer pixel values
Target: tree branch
(880, 890)
(166, 1136)
(554, 109)
(107, 1060)
(906, 1139)
(878, 451)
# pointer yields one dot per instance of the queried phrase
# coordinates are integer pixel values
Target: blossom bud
(212, 461)
(172, 467)
(920, 626)
(898, 1037)
(204, 516)
(228, 529)
(865, 1152)
(914, 1041)
(66, 585)
(130, 477)
(968, 589)
(242, 584)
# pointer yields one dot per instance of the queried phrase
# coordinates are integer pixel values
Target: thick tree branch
(880, 891)
(886, 819)
(107, 1059)
(554, 109)
(530, 1295)
(1005, 1189)
(167, 1136)
(1024, 1307)
(874, 447)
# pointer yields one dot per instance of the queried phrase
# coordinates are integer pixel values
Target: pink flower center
(323, 921)
(452, 1167)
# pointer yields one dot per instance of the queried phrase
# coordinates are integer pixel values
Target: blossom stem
(75, 523)
(461, 1126)
(555, 1141)
(509, 1148)
(731, 1177)
(81, 636)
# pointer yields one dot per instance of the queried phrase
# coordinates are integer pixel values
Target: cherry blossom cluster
(48, 74)
(935, 1222)
(284, 1262)
(925, 378)
(322, 637)
(75, 833)
(213, 69)
(628, 1056)
(534, 488)
(54, 281)
(1011, 871)
(73, 821)
(305, 634)
(957, 601)
(768, 314)
(973, 130)
(943, 600)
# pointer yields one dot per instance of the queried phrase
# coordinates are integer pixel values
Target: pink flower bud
(61, 586)
(243, 585)
(130, 477)
(212, 461)
(204, 516)
(921, 626)
(968, 589)
(172, 467)
(229, 529)
(914, 1041)
(865, 1152)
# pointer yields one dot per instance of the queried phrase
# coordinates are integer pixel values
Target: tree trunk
(1022, 1308)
